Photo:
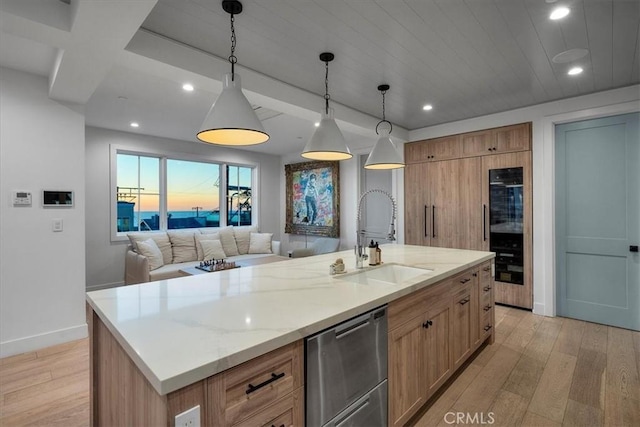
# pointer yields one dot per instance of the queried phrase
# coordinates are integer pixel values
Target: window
(160, 193)
(239, 195)
(138, 193)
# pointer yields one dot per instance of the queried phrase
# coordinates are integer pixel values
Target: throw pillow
(183, 245)
(149, 249)
(161, 239)
(260, 243)
(212, 249)
(200, 238)
(228, 241)
(242, 236)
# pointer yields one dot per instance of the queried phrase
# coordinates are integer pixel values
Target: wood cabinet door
(477, 143)
(445, 148)
(512, 138)
(436, 346)
(416, 152)
(506, 293)
(465, 333)
(456, 210)
(416, 205)
(407, 346)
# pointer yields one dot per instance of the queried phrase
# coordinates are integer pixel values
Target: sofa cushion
(183, 245)
(200, 238)
(161, 239)
(260, 243)
(149, 249)
(243, 235)
(228, 241)
(212, 249)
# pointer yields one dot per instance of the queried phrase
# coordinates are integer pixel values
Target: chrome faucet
(361, 248)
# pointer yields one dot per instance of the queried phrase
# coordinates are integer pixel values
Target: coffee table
(192, 271)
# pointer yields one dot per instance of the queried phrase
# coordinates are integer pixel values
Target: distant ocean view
(210, 215)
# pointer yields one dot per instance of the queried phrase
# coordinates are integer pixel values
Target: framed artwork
(312, 198)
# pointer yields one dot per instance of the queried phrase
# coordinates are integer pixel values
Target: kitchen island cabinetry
(232, 343)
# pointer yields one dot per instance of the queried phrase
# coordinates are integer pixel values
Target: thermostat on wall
(21, 198)
(57, 198)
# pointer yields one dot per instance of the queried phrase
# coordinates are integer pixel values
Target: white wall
(105, 259)
(42, 273)
(544, 117)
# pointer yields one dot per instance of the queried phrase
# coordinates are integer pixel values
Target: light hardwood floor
(541, 371)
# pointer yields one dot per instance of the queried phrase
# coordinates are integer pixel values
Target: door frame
(544, 194)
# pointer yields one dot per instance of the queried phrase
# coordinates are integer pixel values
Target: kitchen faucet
(361, 248)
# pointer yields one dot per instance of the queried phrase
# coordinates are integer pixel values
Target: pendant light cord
(384, 118)
(326, 87)
(232, 57)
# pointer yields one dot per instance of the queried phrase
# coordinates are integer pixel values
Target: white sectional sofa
(170, 251)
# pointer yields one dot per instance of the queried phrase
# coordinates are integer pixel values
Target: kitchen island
(160, 348)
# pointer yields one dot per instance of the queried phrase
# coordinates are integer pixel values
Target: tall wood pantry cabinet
(474, 191)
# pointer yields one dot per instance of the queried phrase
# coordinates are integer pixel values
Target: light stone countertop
(180, 331)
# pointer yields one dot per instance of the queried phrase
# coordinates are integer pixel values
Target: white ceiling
(127, 60)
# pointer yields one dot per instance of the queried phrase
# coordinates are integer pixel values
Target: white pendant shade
(384, 154)
(327, 143)
(231, 119)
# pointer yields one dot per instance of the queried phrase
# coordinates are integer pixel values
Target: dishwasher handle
(355, 410)
(353, 325)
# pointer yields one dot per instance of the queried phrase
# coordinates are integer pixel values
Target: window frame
(115, 149)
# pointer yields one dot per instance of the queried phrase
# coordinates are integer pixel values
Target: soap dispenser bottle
(378, 255)
(373, 254)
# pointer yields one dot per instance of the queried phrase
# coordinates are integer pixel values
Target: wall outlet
(189, 418)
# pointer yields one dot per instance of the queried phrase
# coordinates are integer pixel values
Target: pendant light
(231, 119)
(385, 154)
(327, 143)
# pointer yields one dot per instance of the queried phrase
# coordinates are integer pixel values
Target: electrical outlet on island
(189, 418)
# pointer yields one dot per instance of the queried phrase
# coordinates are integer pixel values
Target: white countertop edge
(171, 384)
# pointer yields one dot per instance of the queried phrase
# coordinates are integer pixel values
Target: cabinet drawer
(462, 280)
(415, 304)
(247, 389)
(285, 412)
(486, 325)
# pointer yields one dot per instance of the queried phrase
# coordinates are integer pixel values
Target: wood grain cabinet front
(465, 321)
(250, 389)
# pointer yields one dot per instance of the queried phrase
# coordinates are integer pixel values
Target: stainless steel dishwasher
(346, 373)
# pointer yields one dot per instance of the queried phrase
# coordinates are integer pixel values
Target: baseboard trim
(104, 286)
(539, 309)
(37, 342)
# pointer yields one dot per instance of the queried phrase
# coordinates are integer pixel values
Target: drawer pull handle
(274, 377)
(487, 288)
(487, 269)
(464, 280)
(281, 425)
(464, 301)
(475, 274)
(427, 324)
(487, 308)
(486, 328)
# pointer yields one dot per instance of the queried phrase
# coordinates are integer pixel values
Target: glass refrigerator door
(506, 223)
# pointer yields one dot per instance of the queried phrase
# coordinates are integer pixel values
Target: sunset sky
(189, 184)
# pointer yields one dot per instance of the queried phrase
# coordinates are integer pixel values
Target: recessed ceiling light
(570, 55)
(316, 124)
(187, 87)
(134, 124)
(428, 107)
(575, 71)
(559, 13)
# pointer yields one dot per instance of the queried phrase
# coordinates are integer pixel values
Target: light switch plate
(56, 224)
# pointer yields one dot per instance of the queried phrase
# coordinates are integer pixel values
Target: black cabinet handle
(281, 425)
(487, 308)
(464, 301)
(274, 377)
(486, 328)
(487, 288)
(484, 222)
(433, 221)
(463, 281)
(475, 274)
(487, 268)
(426, 233)
(427, 324)
(633, 248)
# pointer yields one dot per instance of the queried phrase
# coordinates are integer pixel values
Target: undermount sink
(388, 274)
